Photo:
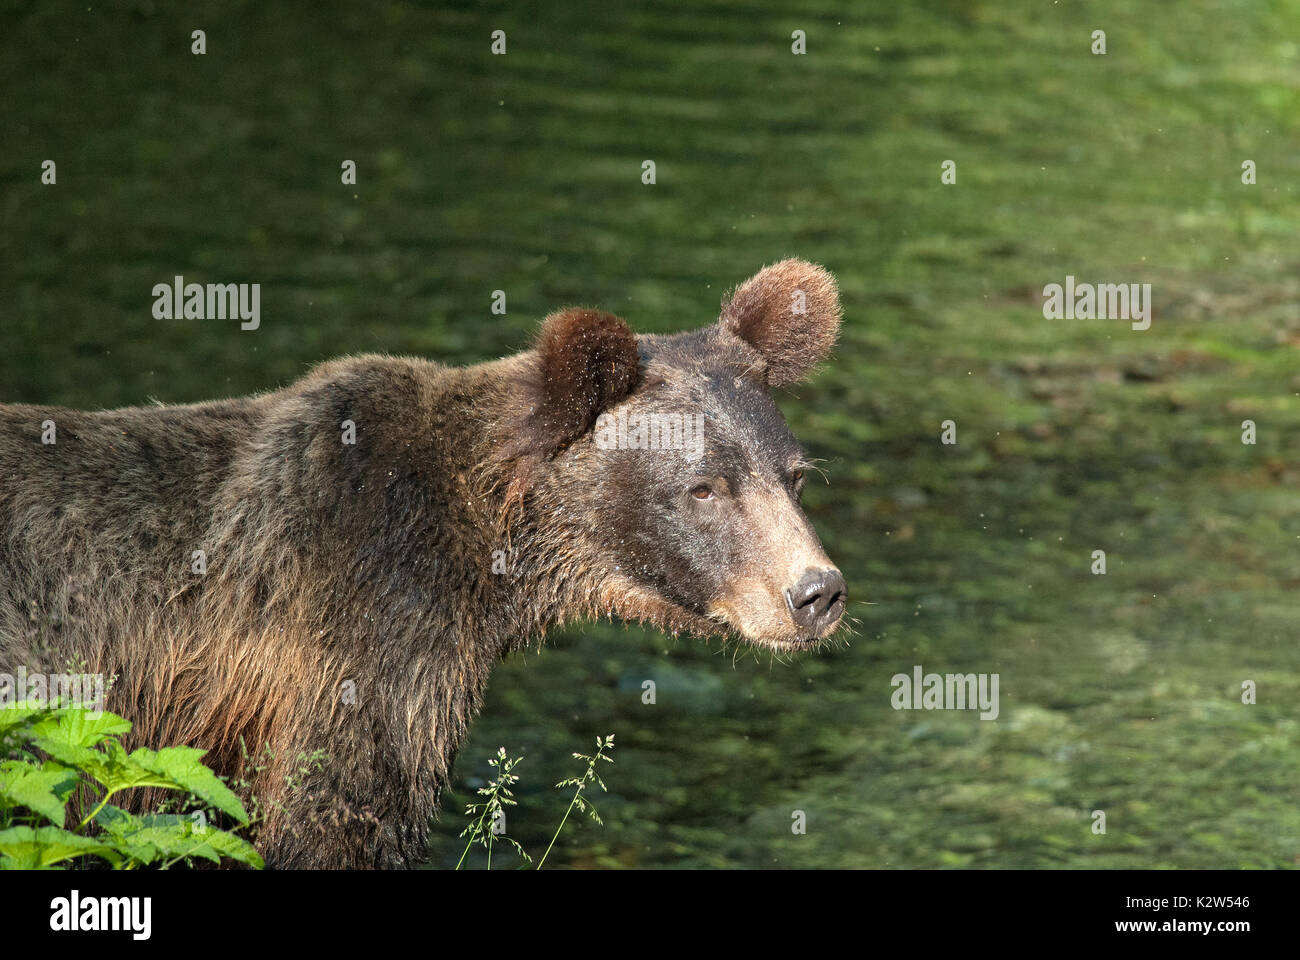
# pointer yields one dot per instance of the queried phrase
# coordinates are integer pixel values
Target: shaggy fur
(334, 567)
(587, 362)
(790, 313)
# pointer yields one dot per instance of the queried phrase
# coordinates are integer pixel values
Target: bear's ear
(788, 312)
(587, 362)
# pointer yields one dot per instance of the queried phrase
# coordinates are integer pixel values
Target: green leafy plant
(52, 752)
(498, 796)
(580, 784)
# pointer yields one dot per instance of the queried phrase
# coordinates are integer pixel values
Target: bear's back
(114, 499)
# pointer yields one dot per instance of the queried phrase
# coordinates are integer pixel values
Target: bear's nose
(817, 600)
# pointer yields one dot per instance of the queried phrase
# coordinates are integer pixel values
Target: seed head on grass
(579, 784)
(499, 796)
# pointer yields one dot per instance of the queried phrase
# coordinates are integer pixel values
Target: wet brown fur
(332, 564)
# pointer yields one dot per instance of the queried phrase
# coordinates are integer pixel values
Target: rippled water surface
(1120, 693)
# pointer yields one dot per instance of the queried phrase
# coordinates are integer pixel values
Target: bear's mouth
(798, 644)
(771, 626)
(792, 643)
(766, 624)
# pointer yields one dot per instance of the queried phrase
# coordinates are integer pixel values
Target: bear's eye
(702, 492)
(797, 477)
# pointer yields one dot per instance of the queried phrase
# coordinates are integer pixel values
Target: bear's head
(667, 462)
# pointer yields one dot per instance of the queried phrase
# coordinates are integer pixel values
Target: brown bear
(335, 566)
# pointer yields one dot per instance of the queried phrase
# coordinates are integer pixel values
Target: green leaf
(122, 827)
(44, 789)
(173, 841)
(65, 743)
(116, 821)
(172, 768)
(119, 771)
(233, 846)
(80, 727)
(180, 767)
(35, 847)
(109, 765)
(81, 757)
(166, 836)
(20, 715)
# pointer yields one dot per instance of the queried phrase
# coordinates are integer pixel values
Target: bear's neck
(388, 579)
